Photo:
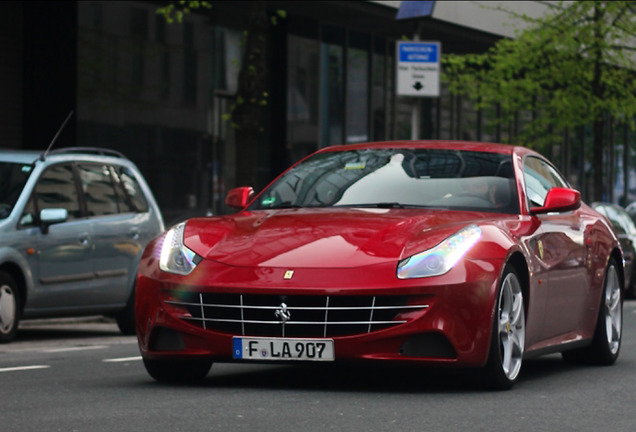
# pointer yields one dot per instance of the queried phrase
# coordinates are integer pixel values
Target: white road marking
(23, 368)
(68, 349)
(121, 360)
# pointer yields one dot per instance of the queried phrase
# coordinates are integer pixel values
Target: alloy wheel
(511, 326)
(7, 309)
(613, 310)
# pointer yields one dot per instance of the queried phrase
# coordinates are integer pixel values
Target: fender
(10, 255)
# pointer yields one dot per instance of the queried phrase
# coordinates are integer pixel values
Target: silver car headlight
(175, 257)
(441, 258)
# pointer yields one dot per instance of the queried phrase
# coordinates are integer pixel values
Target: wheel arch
(15, 271)
(618, 257)
(519, 263)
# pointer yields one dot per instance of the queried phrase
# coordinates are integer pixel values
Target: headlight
(441, 258)
(175, 257)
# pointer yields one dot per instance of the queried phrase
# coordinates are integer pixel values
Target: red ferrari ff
(425, 252)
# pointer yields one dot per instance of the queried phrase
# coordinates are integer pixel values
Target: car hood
(327, 238)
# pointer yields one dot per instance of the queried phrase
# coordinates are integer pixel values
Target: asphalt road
(84, 376)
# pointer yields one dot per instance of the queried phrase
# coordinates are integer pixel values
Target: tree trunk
(597, 91)
(247, 116)
(597, 163)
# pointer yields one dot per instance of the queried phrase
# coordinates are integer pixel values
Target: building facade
(161, 93)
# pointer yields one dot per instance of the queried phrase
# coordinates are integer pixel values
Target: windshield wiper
(387, 205)
(284, 205)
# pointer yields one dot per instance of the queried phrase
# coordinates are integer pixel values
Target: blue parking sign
(418, 52)
(418, 68)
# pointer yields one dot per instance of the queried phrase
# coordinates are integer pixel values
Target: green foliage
(280, 13)
(176, 10)
(569, 68)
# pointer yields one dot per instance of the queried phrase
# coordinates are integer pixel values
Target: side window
(133, 190)
(125, 205)
(540, 177)
(99, 191)
(56, 188)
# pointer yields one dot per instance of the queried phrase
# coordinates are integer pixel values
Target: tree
(176, 10)
(247, 113)
(571, 67)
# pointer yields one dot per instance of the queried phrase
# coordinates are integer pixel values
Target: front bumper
(440, 320)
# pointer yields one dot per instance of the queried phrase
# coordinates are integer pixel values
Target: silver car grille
(294, 315)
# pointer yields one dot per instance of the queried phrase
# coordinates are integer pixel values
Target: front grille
(294, 315)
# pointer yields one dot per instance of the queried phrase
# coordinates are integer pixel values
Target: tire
(9, 308)
(126, 317)
(178, 371)
(630, 286)
(606, 343)
(508, 334)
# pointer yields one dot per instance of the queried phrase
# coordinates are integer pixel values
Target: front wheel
(9, 308)
(178, 371)
(508, 334)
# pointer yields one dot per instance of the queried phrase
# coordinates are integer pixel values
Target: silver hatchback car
(73, 225)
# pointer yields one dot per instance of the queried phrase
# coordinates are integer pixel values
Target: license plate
(283, 349)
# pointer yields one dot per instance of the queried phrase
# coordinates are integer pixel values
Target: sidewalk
(94, 319)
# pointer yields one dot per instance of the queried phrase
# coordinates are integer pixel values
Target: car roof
(437, 144)
(61, 155)
(19, 156)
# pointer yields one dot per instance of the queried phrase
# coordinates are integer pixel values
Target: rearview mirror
(559, 200)
(239, 197)
(52, 216)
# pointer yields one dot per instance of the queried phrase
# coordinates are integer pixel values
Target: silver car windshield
(396, 178)
(13, 177)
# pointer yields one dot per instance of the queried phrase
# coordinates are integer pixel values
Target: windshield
(13, 177)
(388, 178)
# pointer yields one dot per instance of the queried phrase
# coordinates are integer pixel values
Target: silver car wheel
(512, 326)
(613, 310)
(7, 309)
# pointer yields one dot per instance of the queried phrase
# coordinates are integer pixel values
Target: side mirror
(559, 200)
(239, 197)
(52, 216)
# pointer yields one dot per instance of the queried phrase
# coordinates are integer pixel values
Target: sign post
(418, 75)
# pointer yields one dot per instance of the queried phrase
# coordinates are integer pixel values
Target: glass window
(540, 177)
(332, 87)
(133, 190)
(125, 205)
(387, 178)
(56, 188)
(99, 191)
(358, 88)
(302, 97)
(189, 65)
(378, 94)
(139, 31)
(141, 70)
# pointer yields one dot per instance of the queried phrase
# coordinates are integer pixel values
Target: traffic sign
(418, 68)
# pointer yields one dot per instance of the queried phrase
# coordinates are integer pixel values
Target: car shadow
(370, 378)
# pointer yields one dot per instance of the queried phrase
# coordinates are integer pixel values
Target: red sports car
(424, 252)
